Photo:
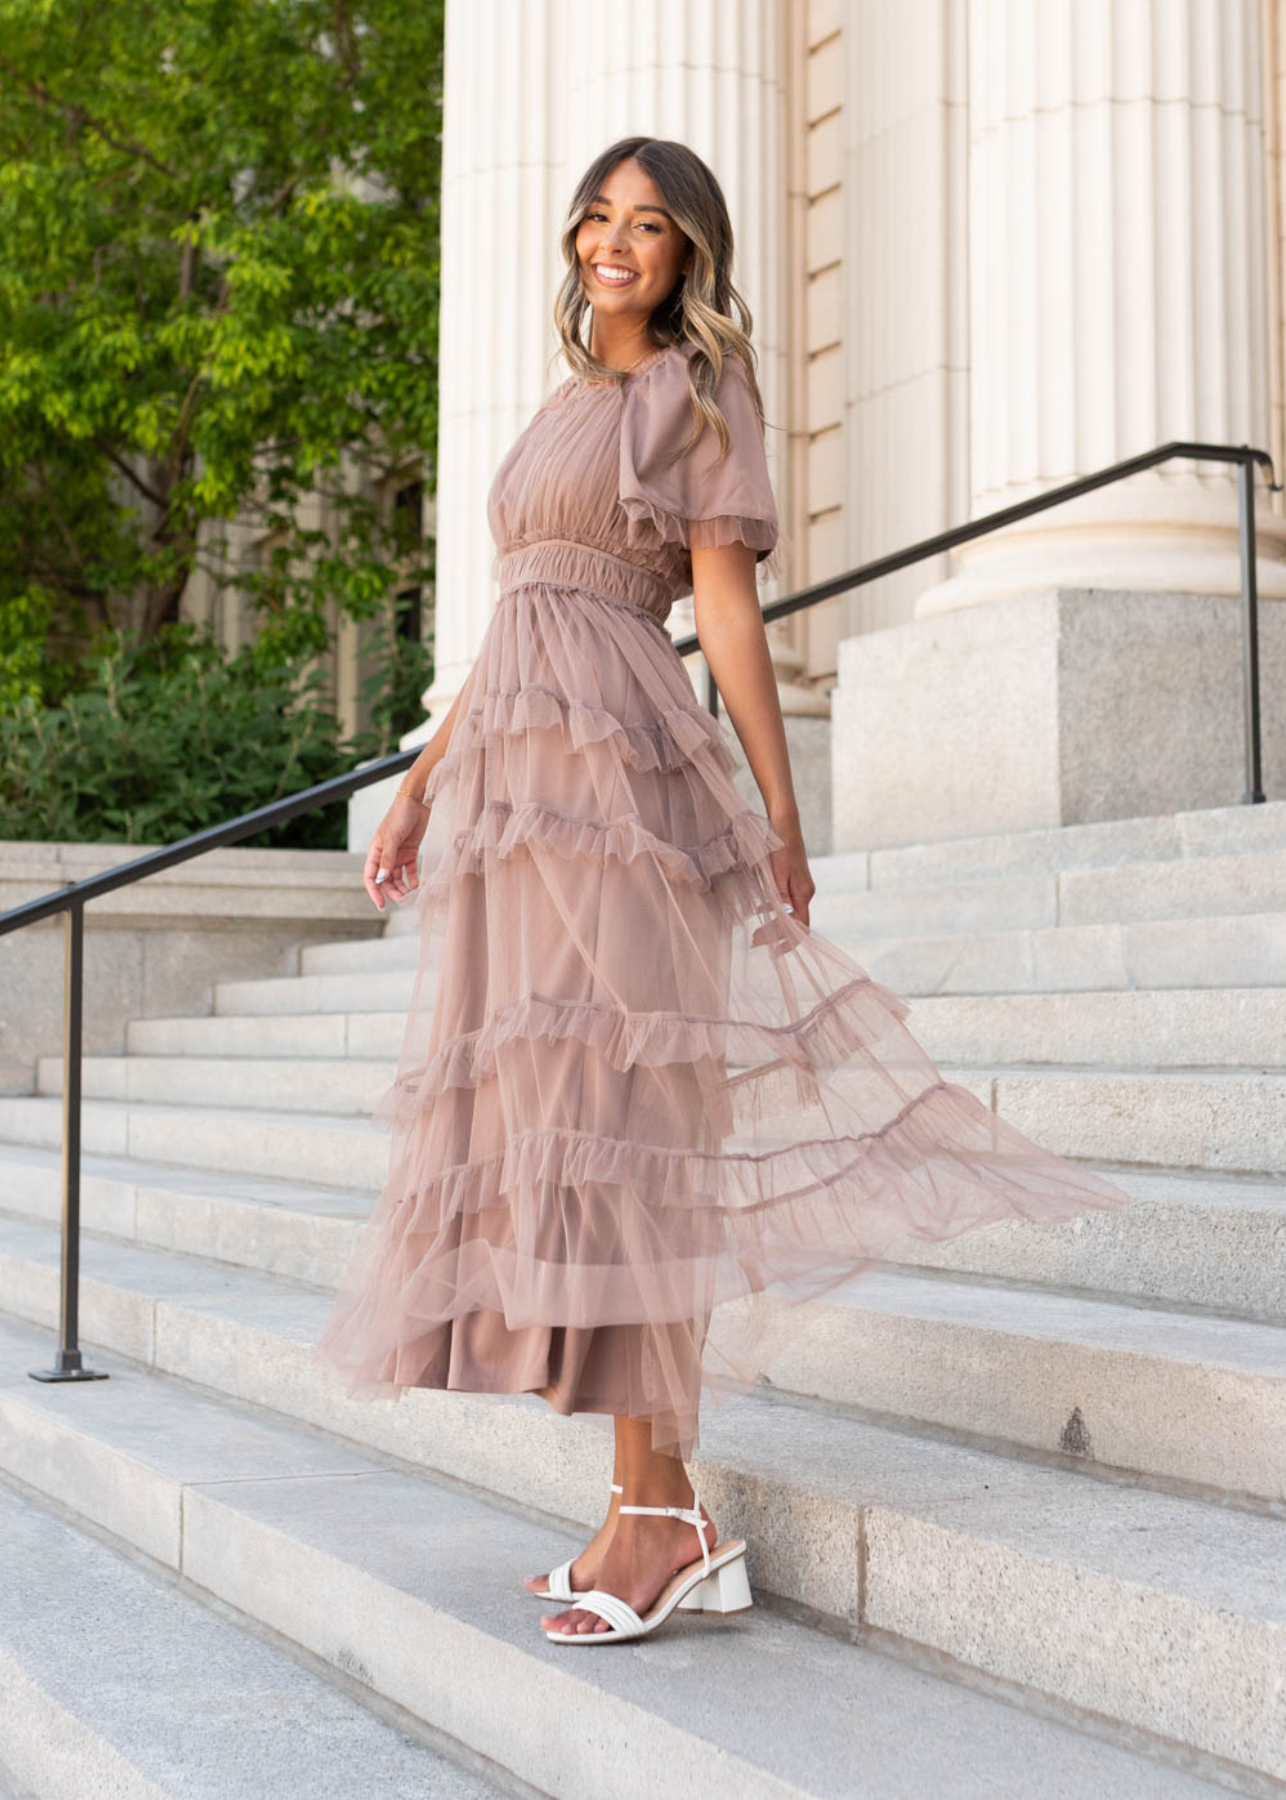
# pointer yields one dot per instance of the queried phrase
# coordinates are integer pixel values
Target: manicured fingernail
(381, 875)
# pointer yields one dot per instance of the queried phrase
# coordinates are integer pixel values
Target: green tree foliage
(218, 296)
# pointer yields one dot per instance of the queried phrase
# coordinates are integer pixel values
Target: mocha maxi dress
(633, 1088)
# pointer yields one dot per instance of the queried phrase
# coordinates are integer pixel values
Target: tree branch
(131, 474)
(82, 116)
(64, 529)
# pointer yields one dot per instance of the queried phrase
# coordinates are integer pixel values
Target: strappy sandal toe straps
(620, 1615)
(718, 1586)
(559, 1586)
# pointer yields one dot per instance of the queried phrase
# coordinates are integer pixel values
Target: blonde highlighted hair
(702, 312)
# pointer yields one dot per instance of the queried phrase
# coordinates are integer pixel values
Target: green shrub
(171, 736)
(34, 658)
(399, 671)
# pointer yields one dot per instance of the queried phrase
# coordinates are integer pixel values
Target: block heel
(726, 1591)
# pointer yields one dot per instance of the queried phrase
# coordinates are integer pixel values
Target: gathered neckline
(644, 362)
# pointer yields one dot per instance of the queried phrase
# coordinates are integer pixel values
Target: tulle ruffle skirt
(640, 1112)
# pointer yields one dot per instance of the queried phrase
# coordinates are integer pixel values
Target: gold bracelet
(406, 795)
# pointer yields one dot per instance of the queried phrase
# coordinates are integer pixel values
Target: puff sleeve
(692, 499)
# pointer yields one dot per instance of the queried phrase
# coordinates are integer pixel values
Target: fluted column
(1119, 298)
(500, 268)
(1118, 290)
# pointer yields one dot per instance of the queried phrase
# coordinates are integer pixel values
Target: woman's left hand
(795, 884)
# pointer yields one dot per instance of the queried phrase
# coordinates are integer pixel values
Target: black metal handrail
(71, 900)
(1242, 454)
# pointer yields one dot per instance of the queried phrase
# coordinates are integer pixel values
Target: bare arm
(434, 749)
(730, 630)
(390, 867)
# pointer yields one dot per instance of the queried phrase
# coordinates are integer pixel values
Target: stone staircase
(1016, 1506)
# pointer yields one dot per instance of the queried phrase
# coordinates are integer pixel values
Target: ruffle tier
(842, 1023)
(674, 740)
(505, 829)
(943, 1164)
(640, 1111)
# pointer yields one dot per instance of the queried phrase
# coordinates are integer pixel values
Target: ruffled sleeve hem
(696, 500)
(762, 535)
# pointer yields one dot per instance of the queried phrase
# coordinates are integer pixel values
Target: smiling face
(630, 253)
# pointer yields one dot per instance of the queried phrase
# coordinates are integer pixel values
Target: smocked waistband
(571, 563)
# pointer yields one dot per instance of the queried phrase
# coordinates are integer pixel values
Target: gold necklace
(651, 349)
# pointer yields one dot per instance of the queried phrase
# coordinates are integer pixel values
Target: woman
(634, 1085)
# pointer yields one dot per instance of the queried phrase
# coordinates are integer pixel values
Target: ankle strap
(691, 1513)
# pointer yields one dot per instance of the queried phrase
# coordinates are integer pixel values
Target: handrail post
(1249, 627)
(69, 1366)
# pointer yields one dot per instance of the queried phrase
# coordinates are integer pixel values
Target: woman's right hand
(394, 850)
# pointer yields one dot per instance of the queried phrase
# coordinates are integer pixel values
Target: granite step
(1231, 1120)
(1193, 1402)
(344, 1152)
(1237, 952)
(208, 1710)
(1199, 1242)
(1173, 1027)
(845, 903)
(1182, 1101)
(1197, 1401)
(393, 1575)
(1170, 1028)
(1246, 950)
(1186, 888)
(1212, 1119)
(1162, 837)
(365, 1035)
(343, 1085)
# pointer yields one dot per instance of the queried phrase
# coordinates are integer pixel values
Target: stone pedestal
(158, 946)
(1052, 708)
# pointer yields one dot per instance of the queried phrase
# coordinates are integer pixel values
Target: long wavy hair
(702, 311)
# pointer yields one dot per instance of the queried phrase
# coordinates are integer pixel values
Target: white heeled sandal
(716, 1581)
(559, 1586)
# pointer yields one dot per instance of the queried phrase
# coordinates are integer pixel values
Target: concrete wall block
(1060, 707)
(161, 945)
